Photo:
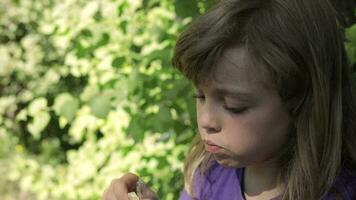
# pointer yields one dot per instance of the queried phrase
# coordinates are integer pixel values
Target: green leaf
(37, 105)
(100, 106)
(89, 92)
(123, 26)
(186, 8)
(40, 122)
(104, 40)
(135, 131)
(351, 34)
(86, 33)
(164, 115)
(206, 4)
(351, 52)
(66, 105)
(117, 62)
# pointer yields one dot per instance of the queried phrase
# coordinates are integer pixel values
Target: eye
(199, 97)
(236, 110)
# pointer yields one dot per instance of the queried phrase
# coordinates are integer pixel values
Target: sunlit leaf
(100, 106)
(40, 122)
(66, 105)
(351, 34)
(118, 61)
(37, 106)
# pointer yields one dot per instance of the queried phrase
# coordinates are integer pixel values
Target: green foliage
(87, 94)
(351, 44)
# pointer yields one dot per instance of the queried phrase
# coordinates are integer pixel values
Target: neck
(262, 182)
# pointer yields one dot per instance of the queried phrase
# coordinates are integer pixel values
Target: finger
(119, 189)
(108, 194)
(144, 192)
(130, 181)
(133, 196)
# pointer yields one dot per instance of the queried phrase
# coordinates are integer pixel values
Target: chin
(228, 161)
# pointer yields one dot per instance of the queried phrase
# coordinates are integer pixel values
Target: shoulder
(345, 185)
(215, 172)
(211, 183)
(346, 181)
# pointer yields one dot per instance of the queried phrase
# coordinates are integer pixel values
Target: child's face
(236, 112)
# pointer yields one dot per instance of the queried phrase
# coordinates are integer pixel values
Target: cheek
(243, 135)
(256, 133)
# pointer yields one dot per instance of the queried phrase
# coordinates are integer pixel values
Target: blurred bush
(87, 94)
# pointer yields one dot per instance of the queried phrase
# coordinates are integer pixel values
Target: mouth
(212, 147)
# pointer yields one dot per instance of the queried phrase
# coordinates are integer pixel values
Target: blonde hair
(300, 44)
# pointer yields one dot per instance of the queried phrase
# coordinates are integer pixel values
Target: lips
(212, 147)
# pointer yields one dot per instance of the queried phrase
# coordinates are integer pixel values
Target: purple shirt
(226, 183)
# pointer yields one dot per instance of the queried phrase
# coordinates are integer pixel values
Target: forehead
(235, 70)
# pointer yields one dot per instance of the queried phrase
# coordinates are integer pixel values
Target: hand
(119, 189)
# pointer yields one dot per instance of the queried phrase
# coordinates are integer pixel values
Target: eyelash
(236, 110)
(196, 96)
(232, 110)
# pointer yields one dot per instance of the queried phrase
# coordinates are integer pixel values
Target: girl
(275, 112)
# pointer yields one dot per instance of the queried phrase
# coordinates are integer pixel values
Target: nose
(208, 119)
